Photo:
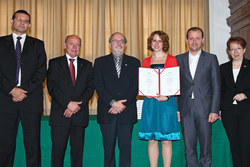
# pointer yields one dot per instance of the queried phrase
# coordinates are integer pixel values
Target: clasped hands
(72, 108)
(117, 107)
(18, 94)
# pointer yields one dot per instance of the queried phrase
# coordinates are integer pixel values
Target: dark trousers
(31, 123)
(110, 133)
(194, 126)
(237, 126)
(60, 136)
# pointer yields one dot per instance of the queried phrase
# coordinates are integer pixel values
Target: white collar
(194, 56)
(14, 35)
(68, 57)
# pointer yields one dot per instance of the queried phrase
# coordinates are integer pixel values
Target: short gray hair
(111, 37)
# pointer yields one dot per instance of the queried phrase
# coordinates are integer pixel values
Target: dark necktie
(18, 57)
(118, 66)
(72, 70)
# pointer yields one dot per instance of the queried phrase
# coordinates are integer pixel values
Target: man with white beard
(116, 83)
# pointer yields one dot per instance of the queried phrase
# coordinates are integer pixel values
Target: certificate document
(164, 81)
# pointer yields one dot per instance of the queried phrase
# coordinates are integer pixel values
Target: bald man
(70, 84)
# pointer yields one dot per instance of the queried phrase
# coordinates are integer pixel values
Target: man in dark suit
(116, 82)
(70, 84)
(22, 72)
(200, 98)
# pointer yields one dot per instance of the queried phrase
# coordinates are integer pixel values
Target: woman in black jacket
(235, 101)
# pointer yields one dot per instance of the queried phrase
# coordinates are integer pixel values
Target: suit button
(118, 93)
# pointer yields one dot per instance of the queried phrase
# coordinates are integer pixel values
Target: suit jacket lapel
(186, 66)
(229, 69)
(26, 46)
(200, 64)
(10, 44)
(65, 69)
(111, 63)
(242, 71)
(80, 69)
(124, 65)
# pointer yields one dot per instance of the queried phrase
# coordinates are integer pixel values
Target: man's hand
(179, 116)
(117, 107)
(68, 113)
(18, 94)
(113, 111)
(74, 106)
(212, 117)
(15, 99)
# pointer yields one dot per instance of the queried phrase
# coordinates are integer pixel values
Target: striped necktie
(118, 66)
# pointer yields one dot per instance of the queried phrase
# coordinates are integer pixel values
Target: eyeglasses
(115, 41)
(159, 41)
(21, 20)
(234, 49)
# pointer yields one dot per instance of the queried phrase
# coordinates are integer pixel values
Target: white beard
(118, 51)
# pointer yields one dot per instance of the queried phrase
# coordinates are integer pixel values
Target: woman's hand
(161, 98)
(240, 97)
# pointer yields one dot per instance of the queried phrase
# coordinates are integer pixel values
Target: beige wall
(239, 21)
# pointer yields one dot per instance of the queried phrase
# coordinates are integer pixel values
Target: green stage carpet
(93, 150)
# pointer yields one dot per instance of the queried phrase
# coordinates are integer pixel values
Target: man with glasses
(116, 82)
(22, 73)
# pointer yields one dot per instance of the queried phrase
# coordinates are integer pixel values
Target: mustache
(118, 50)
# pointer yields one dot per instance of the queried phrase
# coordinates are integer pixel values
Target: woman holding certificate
(159, 113)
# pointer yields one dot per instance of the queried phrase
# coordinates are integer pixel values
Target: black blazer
(62, 91)
(229, 88)
(109, 86)
(33, 71)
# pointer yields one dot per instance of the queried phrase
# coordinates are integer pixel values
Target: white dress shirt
(235, 74)
(193, 62)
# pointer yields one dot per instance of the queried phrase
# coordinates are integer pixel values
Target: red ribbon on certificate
(177, 92)
(141, 93)
(159, 71)
(159, 78)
